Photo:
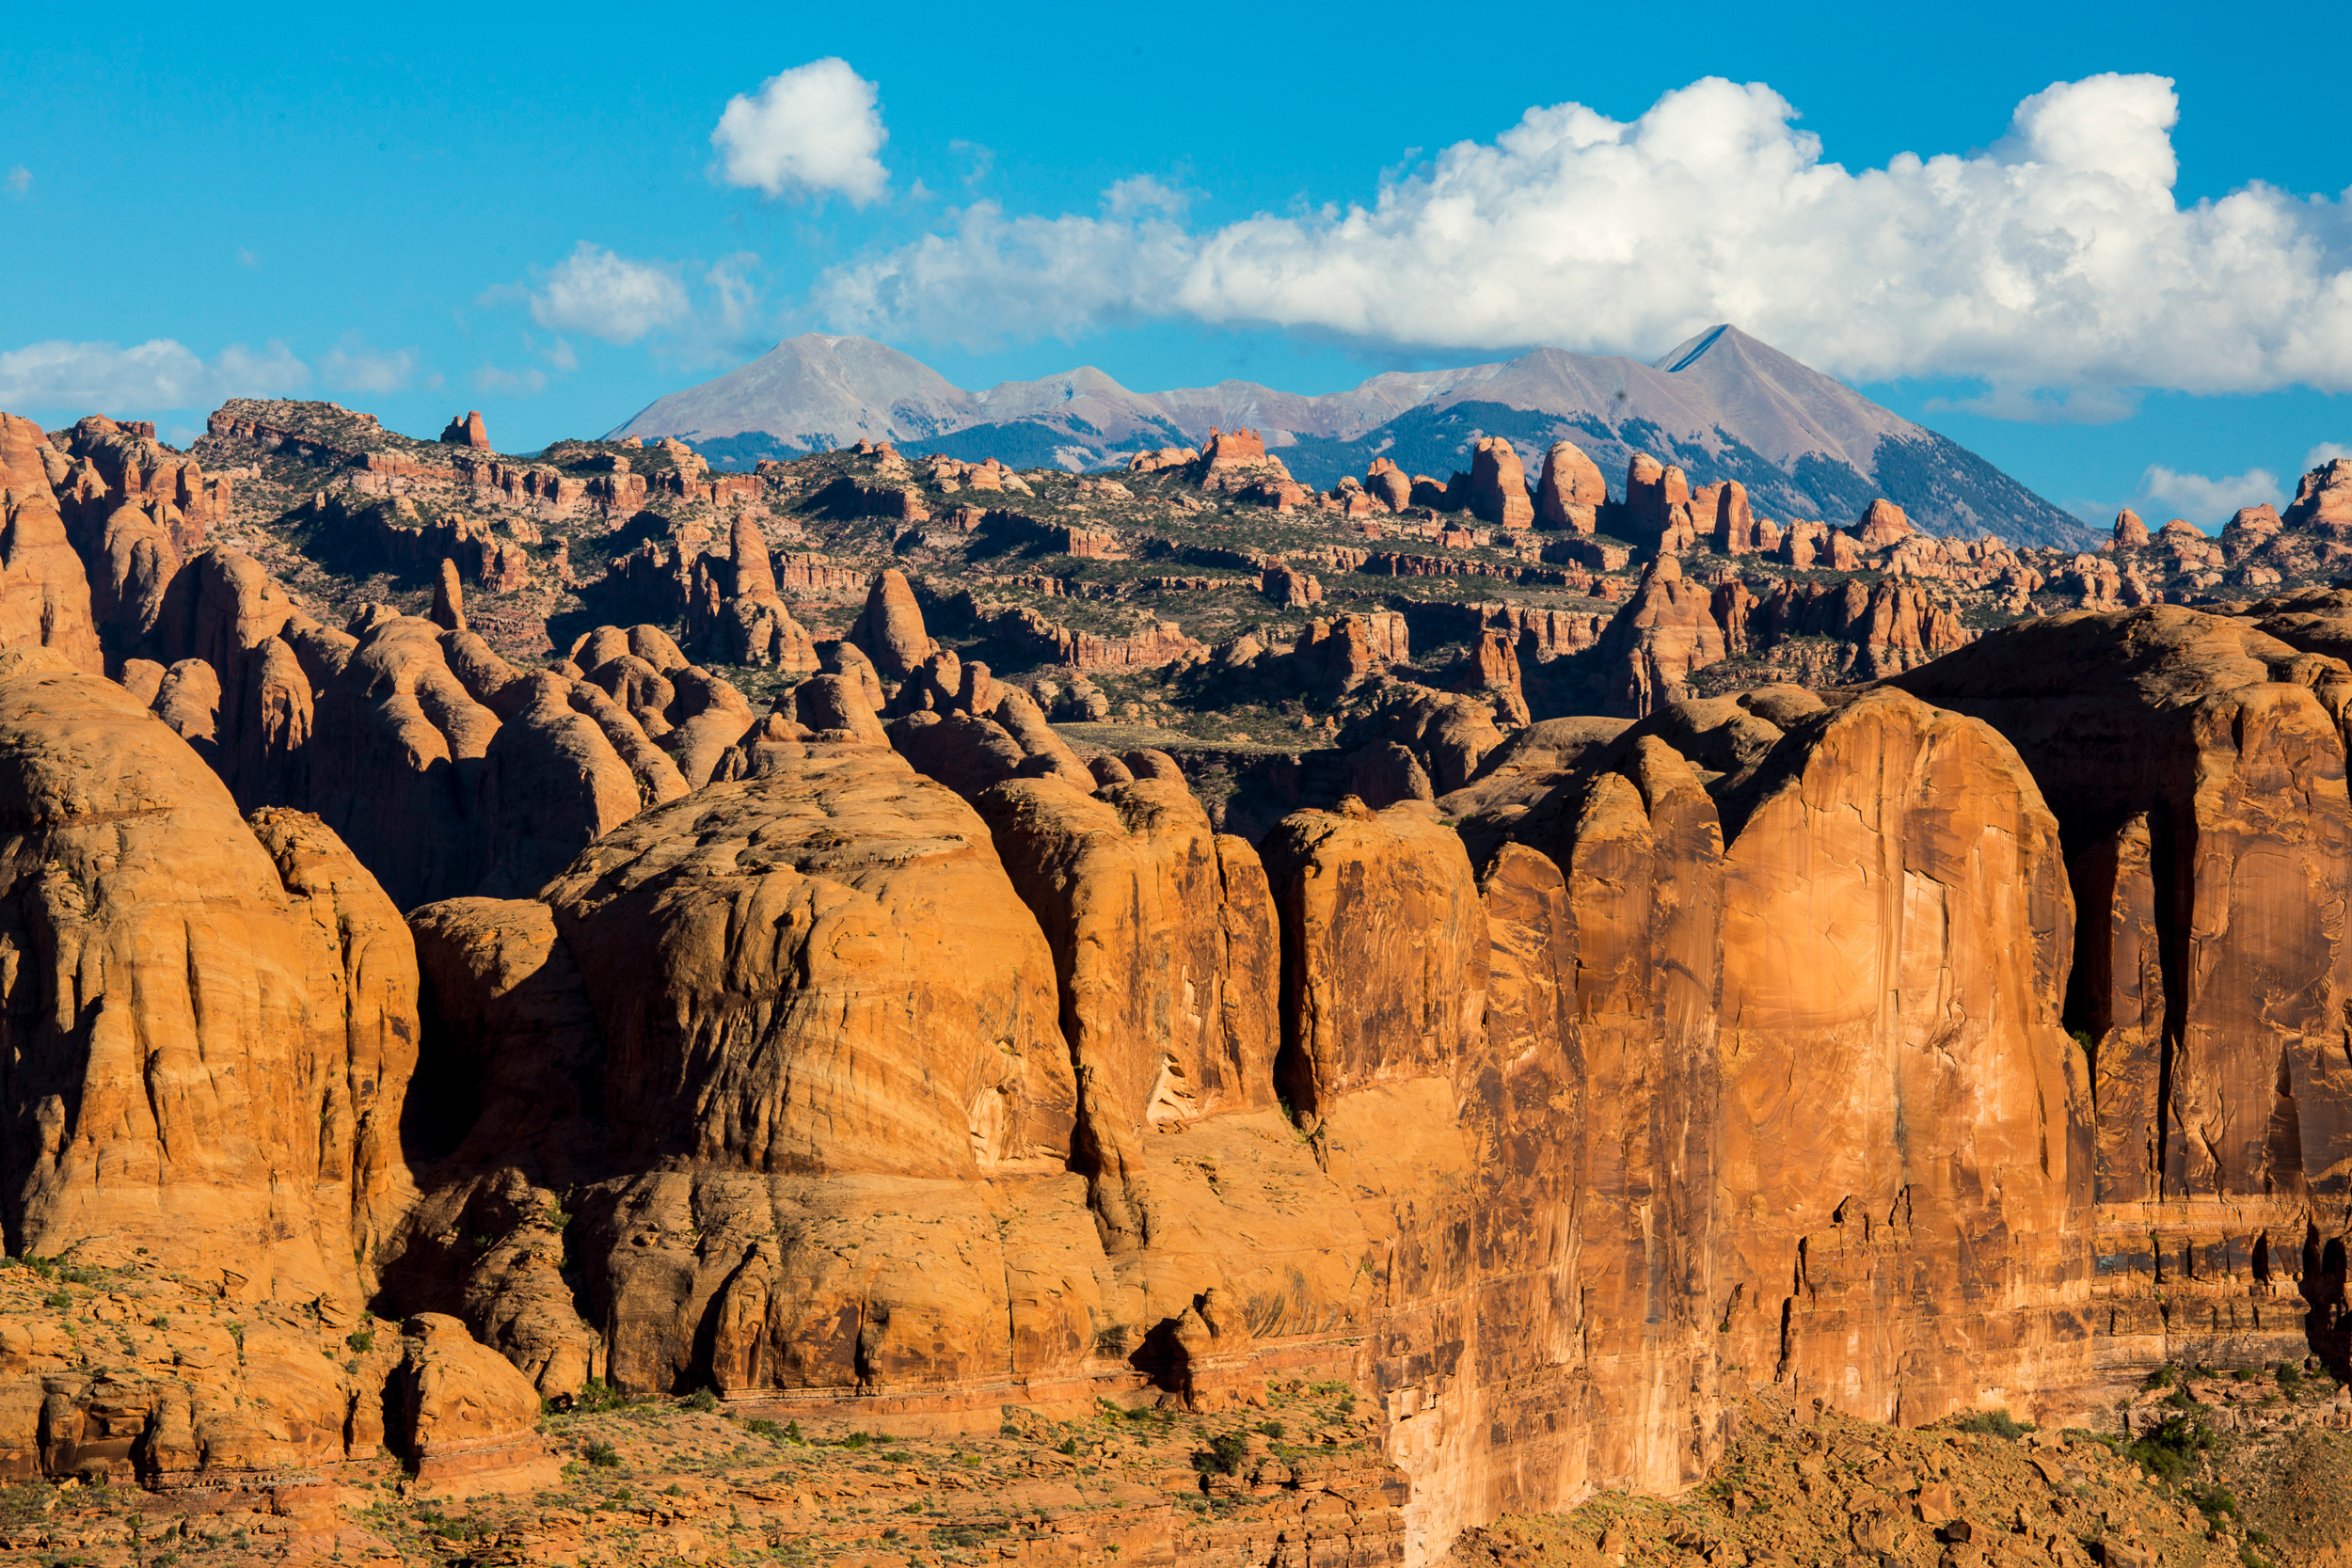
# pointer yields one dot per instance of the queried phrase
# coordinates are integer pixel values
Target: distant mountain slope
(1721, 406)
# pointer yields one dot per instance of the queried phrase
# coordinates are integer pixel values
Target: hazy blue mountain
(1721, 406)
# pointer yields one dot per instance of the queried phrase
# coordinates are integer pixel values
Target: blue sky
(2136, 287)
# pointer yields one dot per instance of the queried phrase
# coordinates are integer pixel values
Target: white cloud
(1141, 192)
(2327, 452)
(352, 365)
(159, 374)
(608, 296)
(2053, 265)
(19, 181)
(529, 383)
(813, 129)
(2203, 501)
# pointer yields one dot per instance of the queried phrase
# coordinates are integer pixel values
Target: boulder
(467, 1418)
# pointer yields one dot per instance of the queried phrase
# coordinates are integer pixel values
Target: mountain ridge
(1722, 405)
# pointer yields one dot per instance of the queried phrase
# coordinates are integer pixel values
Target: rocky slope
(860, 1049)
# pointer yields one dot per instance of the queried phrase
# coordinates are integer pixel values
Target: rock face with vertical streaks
(1905, 1124)
(2196, 767)
(208, 1046)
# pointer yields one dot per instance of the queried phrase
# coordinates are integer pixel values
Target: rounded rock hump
(206, 1071)
(890, 632)
(1571, 491)
(823, 969)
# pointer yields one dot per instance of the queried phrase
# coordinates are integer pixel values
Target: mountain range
(1721, 406)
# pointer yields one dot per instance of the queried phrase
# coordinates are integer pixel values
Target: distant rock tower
(468, 431)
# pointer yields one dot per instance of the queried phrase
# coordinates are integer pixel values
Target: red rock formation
(2323, 502)
(1334, 653)
(1882, 524)
(117, 465)
(2130, 533)
(1907, 1094)
(1734, 525)
(1498, 485)
(1389, 483)
(1154, 644)
(1571, 492)
(1288, 586)
(221, 1038)
(467, 431)
(924, 1062)
(44, 594)
(2209, 728)
(1642, 854)
(1231, 449)
(449, 598)
(891, 631)
(733, 611)
(1665, 631)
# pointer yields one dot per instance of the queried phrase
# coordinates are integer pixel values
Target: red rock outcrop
(44, 594)
(733, 613)
(1882, 525)
(891, 631)
(2322, 500)
(1498, 485)
(2224, 746)
(1389, 483)
(1666, 631)
(212, 1054)
(1893, 1098)
(1571, 491)
(466, 430)
(1734, 525)
(876, 1058)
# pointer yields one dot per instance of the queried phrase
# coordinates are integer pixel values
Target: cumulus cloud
(2327, 452)
(2202, 500)
(813, 129)
(2054, 265)
(608, 296)
(158, 374)
(352, 365)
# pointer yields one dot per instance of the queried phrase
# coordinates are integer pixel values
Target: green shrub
(1067, 1446)
(596, 1395)
(604, 1456)
(2000, 1423)
(702, 1400)
(2168, 1453)
(1272, 1428)
(362, 1340)
(1224, 1454)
